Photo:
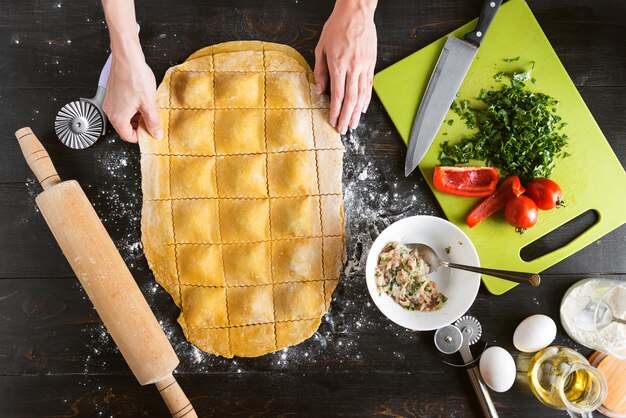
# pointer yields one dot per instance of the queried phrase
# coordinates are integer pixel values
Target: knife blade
(453, 63)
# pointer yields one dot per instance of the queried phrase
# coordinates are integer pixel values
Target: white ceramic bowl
(459, 286)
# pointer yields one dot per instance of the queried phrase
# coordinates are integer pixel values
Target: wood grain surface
(56, 359)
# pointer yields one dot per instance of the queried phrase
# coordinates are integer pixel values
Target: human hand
(346, 53)
(131, 91)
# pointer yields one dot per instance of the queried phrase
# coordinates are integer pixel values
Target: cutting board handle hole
(560, 237)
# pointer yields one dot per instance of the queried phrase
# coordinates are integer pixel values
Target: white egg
(534, 333)
(497, 369)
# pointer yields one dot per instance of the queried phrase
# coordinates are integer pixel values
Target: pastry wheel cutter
(458, 337)
(80, 123)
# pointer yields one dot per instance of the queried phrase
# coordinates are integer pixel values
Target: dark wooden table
(56, 358)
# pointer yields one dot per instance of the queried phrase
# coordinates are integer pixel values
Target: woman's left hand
(345, 58)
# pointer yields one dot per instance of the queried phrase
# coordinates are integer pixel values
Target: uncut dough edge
(157, 254)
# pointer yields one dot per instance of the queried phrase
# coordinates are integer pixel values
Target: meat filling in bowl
(401, 273)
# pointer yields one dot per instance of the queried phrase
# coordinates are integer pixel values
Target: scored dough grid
(239, 71)
(219, 223)
(241, 153)
(253, 242)
(269, 198)
(319, 202)
(267, 184)
(166, 199)
(240, 107)
(169, 168)
(276, 321)
(241, 321)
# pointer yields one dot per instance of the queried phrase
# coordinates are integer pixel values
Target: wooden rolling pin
(105, 277)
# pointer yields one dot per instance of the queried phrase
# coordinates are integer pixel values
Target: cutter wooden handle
(105, 277)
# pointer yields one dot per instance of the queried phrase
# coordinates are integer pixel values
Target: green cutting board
(591, 178)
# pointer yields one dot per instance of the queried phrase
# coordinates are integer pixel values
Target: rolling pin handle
(37, 158)
(175, 398)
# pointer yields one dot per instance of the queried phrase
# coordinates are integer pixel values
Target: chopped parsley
(518, 130)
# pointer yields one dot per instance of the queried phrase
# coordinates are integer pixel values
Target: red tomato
(521, 212)
(545, 193)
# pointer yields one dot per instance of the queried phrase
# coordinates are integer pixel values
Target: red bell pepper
(510, 188)
(466, 181)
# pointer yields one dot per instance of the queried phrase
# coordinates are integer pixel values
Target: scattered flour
(373, 199)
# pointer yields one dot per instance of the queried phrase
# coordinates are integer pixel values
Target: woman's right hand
(131, 91)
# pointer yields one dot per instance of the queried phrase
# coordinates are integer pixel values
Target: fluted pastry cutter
(80, 123)
(458, 337)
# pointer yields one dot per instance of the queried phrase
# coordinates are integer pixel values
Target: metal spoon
(588, 320)
(434, 262)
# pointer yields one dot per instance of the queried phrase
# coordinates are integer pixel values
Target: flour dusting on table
(373, 199)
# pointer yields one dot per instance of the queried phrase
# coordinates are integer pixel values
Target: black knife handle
(490, 7)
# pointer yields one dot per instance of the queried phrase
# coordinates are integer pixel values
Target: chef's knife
(453, 63)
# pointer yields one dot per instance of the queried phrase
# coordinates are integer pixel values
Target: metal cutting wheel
(80, 123)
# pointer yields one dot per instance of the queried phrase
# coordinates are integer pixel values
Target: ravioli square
(250, 305)
(157, 185)
(334, 256)
(289, 130)
(235, 90)
(196, 221)
(149, 144)
(329, 288)
(332, 214)
(165, 270)
(238, 61)
(297, 260)
(191, 89)
(295, 217)
(292, 173)
(245, 220)
(192, 132)
(325, 135)
(156, 220)
(319, 101)
(294, 332)
(200, 265)
(204, 307)
(278, 61)
(253, 340)
(239, 131)
(299, 300)
(193, 177)
(247, 264)
(211, 340)
(332, 161)
(241, 176)
(203, 63)
(287, 89)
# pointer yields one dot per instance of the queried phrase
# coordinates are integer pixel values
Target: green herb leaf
(511, 59)
(518, 130)
(498, 76)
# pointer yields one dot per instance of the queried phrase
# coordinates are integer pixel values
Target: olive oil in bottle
(563, 379)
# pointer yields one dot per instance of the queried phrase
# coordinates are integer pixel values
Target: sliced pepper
(510, 187)
(466, 181)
